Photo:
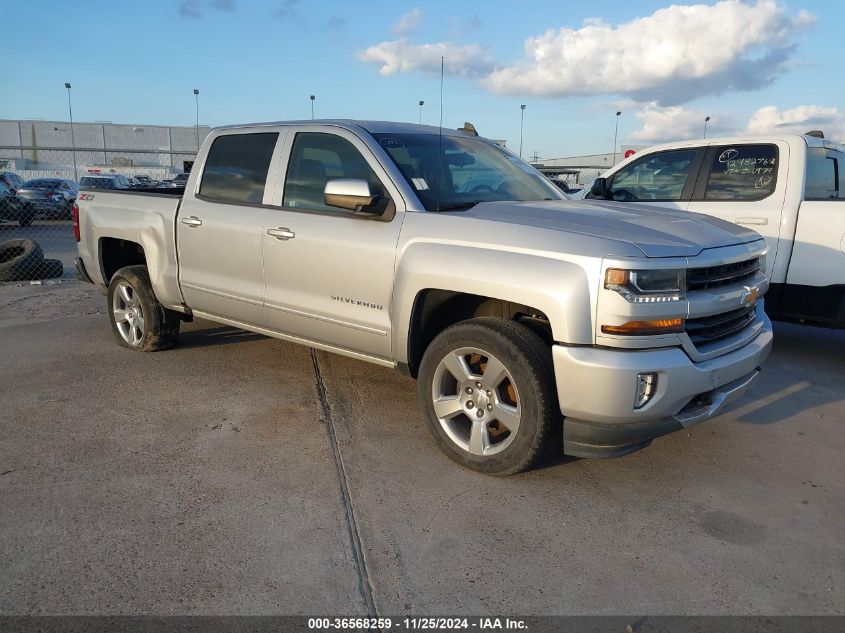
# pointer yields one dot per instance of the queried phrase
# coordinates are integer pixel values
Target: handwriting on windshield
(751, 166)
(727, 155)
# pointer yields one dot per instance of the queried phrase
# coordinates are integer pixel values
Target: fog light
(646, 388)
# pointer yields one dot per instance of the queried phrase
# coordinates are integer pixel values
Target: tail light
(75, 211)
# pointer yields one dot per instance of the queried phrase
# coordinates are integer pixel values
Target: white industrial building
(581, 170)
(34, 149)
(49, 148)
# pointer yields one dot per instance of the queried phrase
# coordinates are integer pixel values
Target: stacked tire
(23, 260)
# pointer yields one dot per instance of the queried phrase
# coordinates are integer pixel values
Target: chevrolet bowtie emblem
(749, 298)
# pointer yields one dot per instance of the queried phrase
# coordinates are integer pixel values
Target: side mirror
(599, 189)
(352, 194)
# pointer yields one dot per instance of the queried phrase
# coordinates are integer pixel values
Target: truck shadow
(806, 370)
(207, 334)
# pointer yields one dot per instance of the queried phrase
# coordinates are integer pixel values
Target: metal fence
(36, 230)
(42, 168)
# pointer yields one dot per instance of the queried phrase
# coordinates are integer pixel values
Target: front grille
(718, 326)
(724, 275)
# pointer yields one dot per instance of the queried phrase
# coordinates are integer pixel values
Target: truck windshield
(469, 171)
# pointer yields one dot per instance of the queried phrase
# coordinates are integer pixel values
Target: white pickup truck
(786, 187)
(438, 253)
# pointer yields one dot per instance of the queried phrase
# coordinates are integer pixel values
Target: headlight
(647, 286)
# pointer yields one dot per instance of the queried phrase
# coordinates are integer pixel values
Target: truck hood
(655, 231)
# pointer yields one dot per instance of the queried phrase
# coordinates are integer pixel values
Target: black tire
(18, 258)
(528, 360)
(47, 269)
(161, 326)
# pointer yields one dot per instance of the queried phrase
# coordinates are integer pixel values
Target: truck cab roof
(373, 127)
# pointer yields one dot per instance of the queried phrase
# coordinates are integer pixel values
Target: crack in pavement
(365, 585)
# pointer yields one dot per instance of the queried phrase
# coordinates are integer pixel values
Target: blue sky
(752, 66)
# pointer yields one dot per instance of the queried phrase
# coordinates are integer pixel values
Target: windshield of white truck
(468, 171)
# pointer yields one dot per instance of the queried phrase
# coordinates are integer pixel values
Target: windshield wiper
(459, 205)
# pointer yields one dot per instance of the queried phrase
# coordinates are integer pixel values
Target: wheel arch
(440, 285)
(436, 309)
(116, 253)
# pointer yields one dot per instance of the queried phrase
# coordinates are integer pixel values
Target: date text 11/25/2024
(420, 623)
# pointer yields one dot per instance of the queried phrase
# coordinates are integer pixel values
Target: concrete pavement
(234, 475)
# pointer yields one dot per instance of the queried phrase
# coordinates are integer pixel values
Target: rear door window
(823, 174)
(236, 168)
(741, 172)
(657, 177)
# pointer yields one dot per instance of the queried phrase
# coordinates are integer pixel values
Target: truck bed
(107, 218)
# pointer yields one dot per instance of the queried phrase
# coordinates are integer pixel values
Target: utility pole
(616, 135)
(72, 137)
(706, 119)
(422, 103)
(521, 126)
(313, 97)
(197, 127)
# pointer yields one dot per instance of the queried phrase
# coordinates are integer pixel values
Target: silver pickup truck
(525, 316)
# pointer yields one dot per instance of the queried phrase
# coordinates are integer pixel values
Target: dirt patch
(25, 303)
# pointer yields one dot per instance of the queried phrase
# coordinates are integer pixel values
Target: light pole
(422, 103)
(706, 119)
(312, 106)
(72, 137)
(616, 135)
(197, 127)
(521, 126)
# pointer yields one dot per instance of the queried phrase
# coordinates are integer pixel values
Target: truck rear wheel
(486, 388)
(139, 322)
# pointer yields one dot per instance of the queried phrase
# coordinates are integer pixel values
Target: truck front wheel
(139, 322)
(486, 388)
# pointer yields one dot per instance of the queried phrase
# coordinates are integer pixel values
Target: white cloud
(673, 123)
(672, 56)
(798, 120)
(676, 123)
(402, 56)
(408, 23)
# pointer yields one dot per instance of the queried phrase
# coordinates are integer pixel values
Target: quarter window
(661, 176)
(236, 168)
(822, 174)
(317, 158)
(742, 172)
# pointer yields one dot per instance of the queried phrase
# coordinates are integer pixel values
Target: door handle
(192, 221)
(281, 233)
(759, 221)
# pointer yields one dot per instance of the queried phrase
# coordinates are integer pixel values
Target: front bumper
(597, 386)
